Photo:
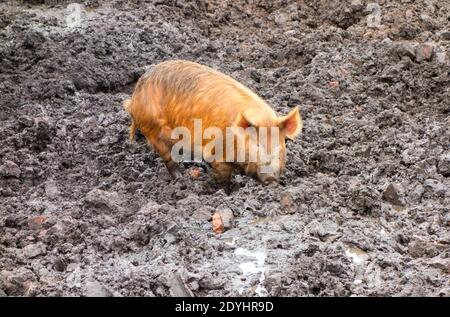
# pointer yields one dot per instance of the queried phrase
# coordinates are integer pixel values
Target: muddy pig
(178, 93)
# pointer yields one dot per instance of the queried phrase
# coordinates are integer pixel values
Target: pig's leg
(222, 171)
(162, 148)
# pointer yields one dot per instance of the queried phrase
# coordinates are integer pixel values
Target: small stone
(194, 285)
(290, 32)
(71, 267)
(324, 230)
(203, 215)
(10, 169)
(405, 49)
(227, 218)
(281, 18)
(33, 250)
(394, 194)
(169, 238)
(424, 52)
(386, 41)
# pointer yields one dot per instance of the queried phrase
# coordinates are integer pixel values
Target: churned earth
(363, 209)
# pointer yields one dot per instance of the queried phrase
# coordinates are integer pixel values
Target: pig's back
(189, 90)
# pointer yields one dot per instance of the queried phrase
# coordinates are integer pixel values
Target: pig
(174, 93)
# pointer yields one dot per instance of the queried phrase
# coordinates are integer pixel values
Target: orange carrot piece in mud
(217, 223)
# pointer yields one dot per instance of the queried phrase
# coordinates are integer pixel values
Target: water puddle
(230, 241)
(255, 266)
(359, 258)
(259, 220)
(357, 255)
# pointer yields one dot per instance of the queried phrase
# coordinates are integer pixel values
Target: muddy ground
(362, 210)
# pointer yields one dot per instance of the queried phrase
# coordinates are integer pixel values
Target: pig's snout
(267, 178)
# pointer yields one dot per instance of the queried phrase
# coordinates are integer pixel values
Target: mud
(362, 210)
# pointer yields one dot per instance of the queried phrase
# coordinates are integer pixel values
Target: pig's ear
(243, 120)
(291, 124)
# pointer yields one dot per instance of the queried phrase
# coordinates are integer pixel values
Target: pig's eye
(249, 125)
